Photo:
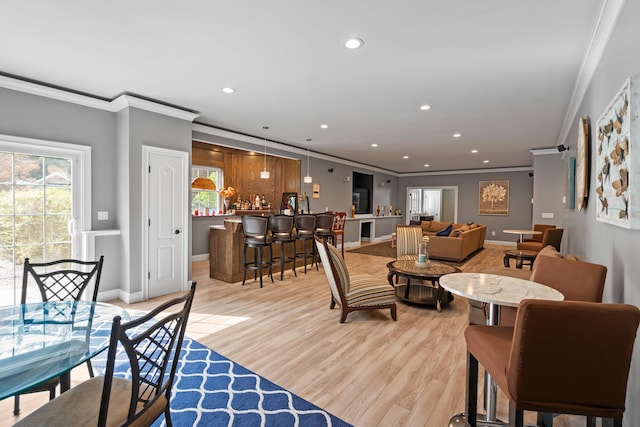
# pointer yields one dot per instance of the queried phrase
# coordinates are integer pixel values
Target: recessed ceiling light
(324, 126)
(426, 165)
(374, 145)
(228, 90)
(485, 161)
(353, 43)
(425, 107)
(457, 135)
(405, 157)
(474, 151)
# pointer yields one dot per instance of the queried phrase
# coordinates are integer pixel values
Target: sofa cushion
(445, 231)
(464, 227)
(455, 233)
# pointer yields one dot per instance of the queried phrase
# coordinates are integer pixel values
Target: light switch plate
(103, 215)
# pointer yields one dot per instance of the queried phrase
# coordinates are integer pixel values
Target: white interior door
(167, 222)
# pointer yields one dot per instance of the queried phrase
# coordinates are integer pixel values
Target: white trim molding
(604, 26)
(115, 105)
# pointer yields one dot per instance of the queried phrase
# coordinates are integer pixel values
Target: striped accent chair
(408, 237)
(357, 292)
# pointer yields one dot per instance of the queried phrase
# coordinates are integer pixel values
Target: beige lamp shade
(203, 184)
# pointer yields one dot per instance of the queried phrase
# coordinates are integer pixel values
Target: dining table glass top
(40, 341)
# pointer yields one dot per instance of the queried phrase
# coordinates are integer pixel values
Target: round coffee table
(420, 293)
(520, 255)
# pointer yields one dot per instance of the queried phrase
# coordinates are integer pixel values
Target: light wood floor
(369, 371)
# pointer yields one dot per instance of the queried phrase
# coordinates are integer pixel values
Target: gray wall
(42, 118)
(600, 242)
(549, 187)
(520, 188)
(116, 141)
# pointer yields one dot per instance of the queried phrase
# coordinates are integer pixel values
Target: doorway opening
(438, 203)
(42, 205)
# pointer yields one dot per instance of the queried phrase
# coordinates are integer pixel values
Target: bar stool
(324, 229)
(282, 232)
(338, 230)
(256, 236)
(305, 229)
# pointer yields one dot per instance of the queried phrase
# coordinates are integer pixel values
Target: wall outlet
(103, 215)
(547, 215)
(493, 233)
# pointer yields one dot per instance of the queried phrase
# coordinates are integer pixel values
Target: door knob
(177, 231)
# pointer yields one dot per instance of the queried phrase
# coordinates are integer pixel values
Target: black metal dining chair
(60, 280)
(152, 345)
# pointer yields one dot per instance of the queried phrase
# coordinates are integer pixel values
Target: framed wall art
(582, 166)
(571, 183)
(493, 198)
(617, 158)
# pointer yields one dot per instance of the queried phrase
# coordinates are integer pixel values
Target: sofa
(462, 241)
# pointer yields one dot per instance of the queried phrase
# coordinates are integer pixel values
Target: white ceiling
(502, 73)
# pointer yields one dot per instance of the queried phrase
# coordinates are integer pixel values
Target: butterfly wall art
(617, 166)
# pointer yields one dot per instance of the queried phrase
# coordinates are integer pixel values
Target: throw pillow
(473, 225)
(572, 257)
(445, 231)
(465, 227)
(549, 250)
(455, 233)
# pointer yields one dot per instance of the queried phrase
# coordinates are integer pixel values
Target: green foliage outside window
(202, 199)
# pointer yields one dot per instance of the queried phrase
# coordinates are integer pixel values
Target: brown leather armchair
(551, 236)
(540, 228)
(541, 363)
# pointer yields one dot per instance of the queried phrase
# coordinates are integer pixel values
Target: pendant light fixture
(265, 173)
(308, 179)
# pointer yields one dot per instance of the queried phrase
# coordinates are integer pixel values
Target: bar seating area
(282, 233)
(257, 237)
(305, 233)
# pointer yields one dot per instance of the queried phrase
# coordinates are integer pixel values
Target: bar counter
(226, 244)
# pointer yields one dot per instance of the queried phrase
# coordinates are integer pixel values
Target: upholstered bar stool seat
(282, 232)
(256, 236)
(305, 232)
(324, 230)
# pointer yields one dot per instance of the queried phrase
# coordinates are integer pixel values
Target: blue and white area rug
(211, 390)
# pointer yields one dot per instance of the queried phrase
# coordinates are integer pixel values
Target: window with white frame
(206, 202)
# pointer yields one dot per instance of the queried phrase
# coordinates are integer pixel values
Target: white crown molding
(123, 101)
(299, 151)
(303, 153)
(469, 171)
(604, 26)
(53, 93)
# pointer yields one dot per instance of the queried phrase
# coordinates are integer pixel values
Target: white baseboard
(200, 257)
(109, 295)
(500, 242)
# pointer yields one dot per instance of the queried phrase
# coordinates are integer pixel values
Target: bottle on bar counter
(258, 204)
